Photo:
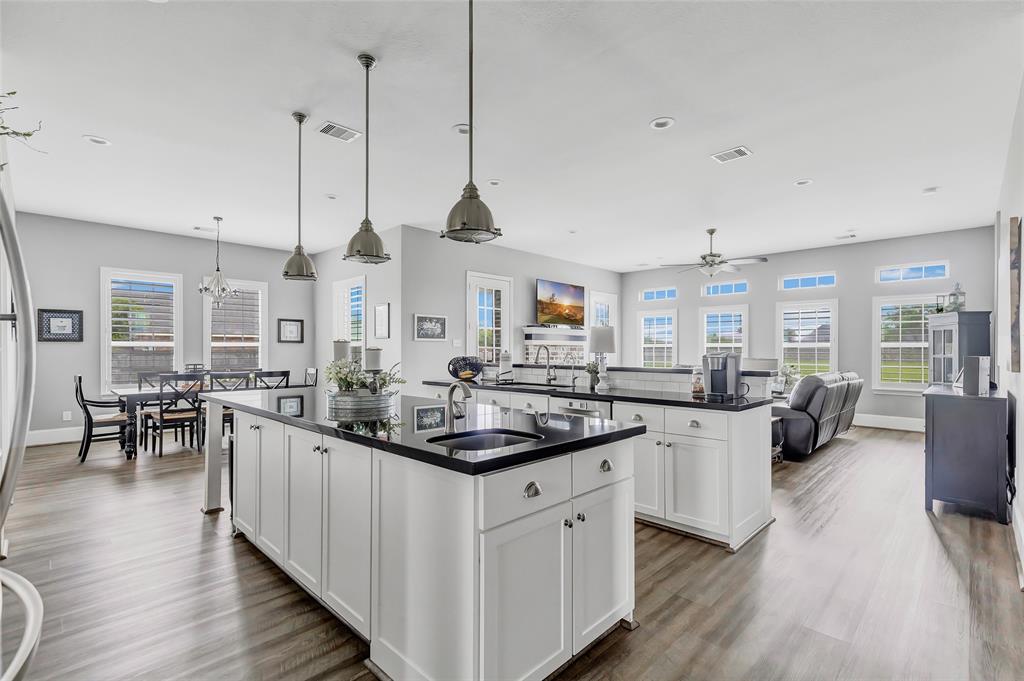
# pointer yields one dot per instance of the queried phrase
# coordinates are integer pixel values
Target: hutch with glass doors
(953, 336)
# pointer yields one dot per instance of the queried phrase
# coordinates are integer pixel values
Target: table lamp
(602, 342)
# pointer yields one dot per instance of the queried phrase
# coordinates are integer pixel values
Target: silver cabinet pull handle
(317, 448)
(668, 444)
(694, 423)
(637, 417)
(658, 443)
(532, 489)
(582, 517)
(606, 466)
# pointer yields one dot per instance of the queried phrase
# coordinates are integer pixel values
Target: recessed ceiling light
(331, 196)
(96, 139)
(803, 182)
(662, 122)
(494, 181)
(572, 231)
(461, 128)
(930, 191)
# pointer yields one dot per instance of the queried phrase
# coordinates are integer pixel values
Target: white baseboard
(890, 422)
(1017, 524)
(52, 436)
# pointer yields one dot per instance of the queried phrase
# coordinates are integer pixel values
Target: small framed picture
(59, 326)
(382, 320)
(290, 405)
(291, 331)
(430, 417)
(430, 327)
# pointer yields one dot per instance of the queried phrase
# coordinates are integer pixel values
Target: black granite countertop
(763, 373)
(663, 398)
(415, 419)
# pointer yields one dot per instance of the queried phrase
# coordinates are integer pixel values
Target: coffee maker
(721, 376)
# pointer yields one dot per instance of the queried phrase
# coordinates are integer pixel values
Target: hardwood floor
(854, 581)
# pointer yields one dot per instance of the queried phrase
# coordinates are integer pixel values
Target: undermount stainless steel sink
(485, 438)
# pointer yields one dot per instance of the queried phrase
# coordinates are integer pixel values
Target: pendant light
(365, 246)
(299, 266)
(217, 287)
(470, 219)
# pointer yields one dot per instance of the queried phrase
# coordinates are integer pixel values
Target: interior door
(696, 483)
(303, 464)
(488, 316)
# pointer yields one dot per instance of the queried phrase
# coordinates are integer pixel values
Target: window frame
(816, 275)
(673, 289)
(667, 312)
(612, 301)
(876, 344)
(264, 344)
(782, 307)
(724, 295)
(903, 266)
(337, 289)
(743, 309)
(106, 345)
(508, 324)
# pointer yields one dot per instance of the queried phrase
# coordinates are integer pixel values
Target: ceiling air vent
(731, 154)
(339, 131)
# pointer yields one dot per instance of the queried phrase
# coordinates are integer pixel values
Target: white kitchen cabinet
(246, 474)
(526, 585)
(270, 508)
(493, 398)
(346, 531)
(303, 546)
(529, 402)
(560, 405)
(697, 483)
(649, 473)
(602, 561)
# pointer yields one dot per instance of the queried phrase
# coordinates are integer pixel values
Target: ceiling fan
(712, 263)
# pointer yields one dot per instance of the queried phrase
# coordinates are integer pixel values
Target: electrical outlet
(65, 416)
(456, 343)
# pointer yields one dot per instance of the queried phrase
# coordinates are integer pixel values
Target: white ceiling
(874, 101)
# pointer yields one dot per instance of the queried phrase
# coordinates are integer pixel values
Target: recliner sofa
(819, 408)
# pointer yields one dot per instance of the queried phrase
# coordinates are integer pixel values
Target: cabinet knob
(694, 423)
(668, 444)
(317, 448)
(658, 443)
(582, 517)
(567, 522)
(532, 489)
(606, 466)
(528, 405)
(638, 417)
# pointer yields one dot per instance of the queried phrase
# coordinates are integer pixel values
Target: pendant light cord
(299, 197)
(471, 91)
(218, 243)
(366, 149)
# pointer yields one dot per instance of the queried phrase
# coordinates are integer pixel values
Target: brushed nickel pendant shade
(217, 287)
(299, 266)
(365, 245)
(470, 219)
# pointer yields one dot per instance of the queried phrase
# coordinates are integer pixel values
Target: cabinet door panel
(346, 532)
(270, 526)
(304, 508)
(649, 474)
(526, 596)
(602, 561)
(246, 472)
(696, 483)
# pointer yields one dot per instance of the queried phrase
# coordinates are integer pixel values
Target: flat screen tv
(559, 303)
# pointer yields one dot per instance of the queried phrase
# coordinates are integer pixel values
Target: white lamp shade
(602, 339)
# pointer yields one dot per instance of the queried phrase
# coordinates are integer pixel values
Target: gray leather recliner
(819, 408)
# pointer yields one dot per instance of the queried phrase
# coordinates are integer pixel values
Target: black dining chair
(221, 381)
(97, 427)
(271, 379)
(178, 408)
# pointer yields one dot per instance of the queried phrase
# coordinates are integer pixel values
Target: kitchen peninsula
(494, 563)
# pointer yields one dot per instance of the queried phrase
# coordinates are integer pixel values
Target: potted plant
(593, 369)
(357, 395)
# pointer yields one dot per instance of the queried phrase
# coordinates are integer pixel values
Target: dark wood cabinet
(967, 450)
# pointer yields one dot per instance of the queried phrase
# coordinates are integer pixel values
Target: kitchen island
(490, 564)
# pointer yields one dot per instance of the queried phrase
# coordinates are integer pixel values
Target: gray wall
(64, 258)
(969, 252)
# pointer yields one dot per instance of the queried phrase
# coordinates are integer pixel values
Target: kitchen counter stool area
(506, 574)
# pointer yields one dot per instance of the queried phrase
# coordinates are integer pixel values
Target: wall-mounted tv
(559, 303)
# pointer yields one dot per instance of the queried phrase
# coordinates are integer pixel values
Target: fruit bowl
(465, 368)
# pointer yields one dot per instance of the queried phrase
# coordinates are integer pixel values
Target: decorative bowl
(465, 368)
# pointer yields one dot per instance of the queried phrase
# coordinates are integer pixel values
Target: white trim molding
(832, 304)
(668, 312)
(743, 310)
(909, 423)
(53, 436)
(876, 344)
(903, 266)
(508, 321)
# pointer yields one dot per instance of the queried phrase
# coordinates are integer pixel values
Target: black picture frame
(282, 400)
(302, 330)
(47, 333)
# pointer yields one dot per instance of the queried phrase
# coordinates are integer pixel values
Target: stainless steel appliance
(721, 376)
(976, 375)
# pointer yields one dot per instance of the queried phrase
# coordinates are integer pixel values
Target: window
(350, 313)
(141, 325)
(236, 334)
(725, 288)
(489, 306)
(657, 339)
(604, 311)
(806, 334)
(658, 294)
(912, 272)
(723, 329)
(900, 333)
(792, 282)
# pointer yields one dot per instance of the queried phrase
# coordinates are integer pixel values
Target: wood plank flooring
(854, 581)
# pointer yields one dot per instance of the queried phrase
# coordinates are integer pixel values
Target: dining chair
(100, 422)
(311, 375)
(271, 379)
(228, 381)
(175, 390)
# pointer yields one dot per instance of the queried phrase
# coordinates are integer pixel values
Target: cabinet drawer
(652, 417)
(518, 492)
(564, 405)
(528, 402)
(493, 398)
(697, 423)
(600, 466)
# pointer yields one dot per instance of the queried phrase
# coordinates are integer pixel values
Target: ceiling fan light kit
(712, 263)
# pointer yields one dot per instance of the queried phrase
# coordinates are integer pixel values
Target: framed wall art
(59, 326)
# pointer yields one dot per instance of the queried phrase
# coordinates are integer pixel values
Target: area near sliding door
(488, 315)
